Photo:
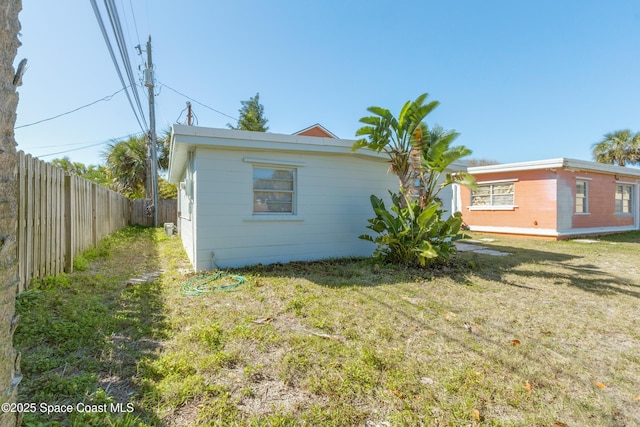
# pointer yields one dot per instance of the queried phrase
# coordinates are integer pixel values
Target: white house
(253, 197)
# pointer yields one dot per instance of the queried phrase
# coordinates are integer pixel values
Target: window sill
(275, 217)
(624, 214)
(582, 213)
(493, 208)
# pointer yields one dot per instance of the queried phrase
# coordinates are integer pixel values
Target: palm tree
(619, 147)
(164, 145)
(126, 164)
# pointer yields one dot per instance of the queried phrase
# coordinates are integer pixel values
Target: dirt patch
(270, 394)
(185, 415)
(125, 352)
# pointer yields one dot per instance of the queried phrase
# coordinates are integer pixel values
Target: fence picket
(167, 212)
(61, 215)
(56, 218)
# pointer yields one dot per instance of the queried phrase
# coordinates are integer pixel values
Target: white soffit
(581, 165)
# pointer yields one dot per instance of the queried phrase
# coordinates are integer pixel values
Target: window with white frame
(274, 190)
(493, 194)
(582, 197)
(623, 199)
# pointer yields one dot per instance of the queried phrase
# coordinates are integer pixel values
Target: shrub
(408, 234)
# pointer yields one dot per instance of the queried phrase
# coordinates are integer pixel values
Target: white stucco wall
(332, 207)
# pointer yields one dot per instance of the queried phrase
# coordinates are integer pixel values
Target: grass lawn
(546, 336)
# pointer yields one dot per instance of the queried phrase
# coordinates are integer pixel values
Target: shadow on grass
(629, 237)
(82, 334)
(526, 268)
(561, 268)
(532, 269)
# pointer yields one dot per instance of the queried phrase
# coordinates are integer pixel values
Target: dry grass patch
(548, 335)
(526, 339)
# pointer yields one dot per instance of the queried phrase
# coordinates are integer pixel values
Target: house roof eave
(582, 165)
(188, 138)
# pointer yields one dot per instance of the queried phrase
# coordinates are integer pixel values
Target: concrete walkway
(472, 246)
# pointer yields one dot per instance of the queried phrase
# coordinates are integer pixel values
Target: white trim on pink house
(556, 163)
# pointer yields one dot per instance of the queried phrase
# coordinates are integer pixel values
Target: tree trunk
(9, 361)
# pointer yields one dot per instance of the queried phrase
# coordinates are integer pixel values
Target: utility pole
(148, 82)
(189, 114)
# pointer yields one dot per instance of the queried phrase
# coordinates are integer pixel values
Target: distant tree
(126, 165)
(164, 145)
(67, 165)
(95, 173)
(251, 116)
(619, 147)
(167, 190)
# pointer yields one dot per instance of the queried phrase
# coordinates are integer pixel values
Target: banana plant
(408, 234)
(395, 136)
(412, 229)
(437, 157)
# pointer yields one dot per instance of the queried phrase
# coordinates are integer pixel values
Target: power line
(90, 145)
(106, 98)
(113, 59)
(126, 21)
(73, 149)
(196, 101)
(181, 112)
(116, 65)
(116, 25)
(128, 28)
(84, 142)
(146, 4)
(135, 24)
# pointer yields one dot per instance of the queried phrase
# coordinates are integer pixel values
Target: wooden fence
(60, 215)
(142, 215)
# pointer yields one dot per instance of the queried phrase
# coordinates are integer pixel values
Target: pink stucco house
(556, 198)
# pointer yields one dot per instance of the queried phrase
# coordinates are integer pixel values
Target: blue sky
(520, 80)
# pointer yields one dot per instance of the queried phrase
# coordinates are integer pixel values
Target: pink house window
(495, 194)
(623, 199)
(582, 197)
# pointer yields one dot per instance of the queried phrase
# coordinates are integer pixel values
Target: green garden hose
(203, 284)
